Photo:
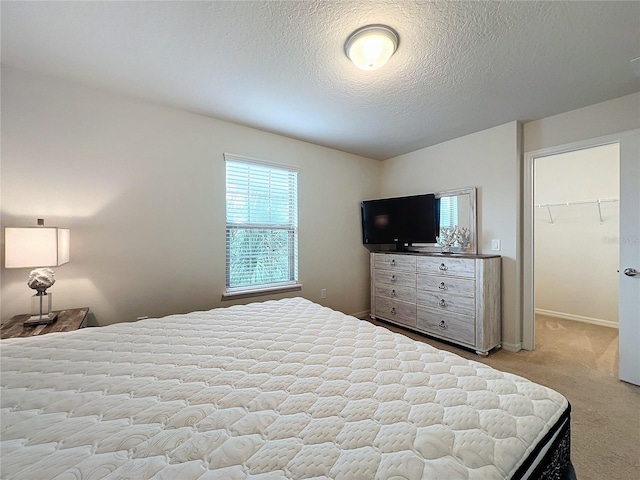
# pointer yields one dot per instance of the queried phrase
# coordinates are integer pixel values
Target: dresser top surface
(440, 255)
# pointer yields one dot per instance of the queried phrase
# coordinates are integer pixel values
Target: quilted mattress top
(280, 389)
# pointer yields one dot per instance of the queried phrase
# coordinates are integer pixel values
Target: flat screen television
(401, 220)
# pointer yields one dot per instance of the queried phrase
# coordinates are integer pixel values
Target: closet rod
(597, 202)
(562, 204)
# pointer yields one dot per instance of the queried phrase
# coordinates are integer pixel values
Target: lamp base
(41, 313)
(42, 320)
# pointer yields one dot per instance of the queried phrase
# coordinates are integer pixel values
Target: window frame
(273, 287)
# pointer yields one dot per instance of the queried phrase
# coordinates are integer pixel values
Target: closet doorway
(627, 239)
(576, 253)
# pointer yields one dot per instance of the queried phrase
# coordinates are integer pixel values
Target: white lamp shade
(36, 247)
(370, 47)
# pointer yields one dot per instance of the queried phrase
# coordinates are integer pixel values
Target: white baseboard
(577, 318)
(512, 347)
(361, 315)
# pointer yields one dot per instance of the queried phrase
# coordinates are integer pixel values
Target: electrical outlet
(323, 293)
(496, 245)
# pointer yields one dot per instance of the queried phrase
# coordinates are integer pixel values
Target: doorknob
(631, 272)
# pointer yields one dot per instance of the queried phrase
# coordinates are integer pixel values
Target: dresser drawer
(445, 302)
(396, 311)
(459, 267)
(399, 292)
(390, 277)
(458, 328)
(389, 261)
(465, 287)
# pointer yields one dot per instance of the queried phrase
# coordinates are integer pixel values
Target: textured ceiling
(279, 66)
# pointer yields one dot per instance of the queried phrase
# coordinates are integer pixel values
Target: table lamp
(29, 247)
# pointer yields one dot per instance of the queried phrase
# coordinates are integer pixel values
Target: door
(630, 258)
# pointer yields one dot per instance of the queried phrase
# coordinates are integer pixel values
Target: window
(448, 211)
(262, 225)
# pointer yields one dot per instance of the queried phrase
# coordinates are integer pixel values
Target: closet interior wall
(577, 235)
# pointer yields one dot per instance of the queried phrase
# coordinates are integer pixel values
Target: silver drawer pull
(393, 292)
(442, 286)
(443, 303)
(443, 267)
(393, 262)
(393, 310)
(393, 278)
(442, 325)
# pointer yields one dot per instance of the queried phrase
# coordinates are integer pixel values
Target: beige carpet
(580, 361)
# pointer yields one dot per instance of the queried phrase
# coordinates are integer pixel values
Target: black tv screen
(405, 220)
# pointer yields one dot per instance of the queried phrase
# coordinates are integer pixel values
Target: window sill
(260, 291)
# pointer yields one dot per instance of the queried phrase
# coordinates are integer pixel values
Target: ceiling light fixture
(370, 47)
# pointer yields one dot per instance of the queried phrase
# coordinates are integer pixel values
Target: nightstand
(67, 321)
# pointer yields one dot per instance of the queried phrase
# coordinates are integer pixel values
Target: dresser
(451, 297)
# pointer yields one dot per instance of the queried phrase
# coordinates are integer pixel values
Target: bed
(272, 390)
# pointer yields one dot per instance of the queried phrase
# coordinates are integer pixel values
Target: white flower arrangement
(453, 236)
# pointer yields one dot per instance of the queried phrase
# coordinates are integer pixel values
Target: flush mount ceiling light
(370, 47)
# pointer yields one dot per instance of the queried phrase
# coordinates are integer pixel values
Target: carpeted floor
(580, 361)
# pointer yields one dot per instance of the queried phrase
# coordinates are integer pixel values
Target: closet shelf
(598, 202)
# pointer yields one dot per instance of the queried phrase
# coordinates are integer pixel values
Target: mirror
(457, 207)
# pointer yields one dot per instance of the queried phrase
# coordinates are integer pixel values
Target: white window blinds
(262, 224)
(448, 211)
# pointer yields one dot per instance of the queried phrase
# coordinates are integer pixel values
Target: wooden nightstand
(67, 321)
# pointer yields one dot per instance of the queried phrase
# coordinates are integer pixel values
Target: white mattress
(281, 389)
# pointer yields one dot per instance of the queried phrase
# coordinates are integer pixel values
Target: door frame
(528, 282)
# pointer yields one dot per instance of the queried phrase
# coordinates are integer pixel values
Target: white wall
(605, 118)
(142, 188)
(138, 182)
(576, 256)
(488, 160)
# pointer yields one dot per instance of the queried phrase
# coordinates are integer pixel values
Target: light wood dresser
(451, 297)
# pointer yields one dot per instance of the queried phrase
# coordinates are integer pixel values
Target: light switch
(496, 245)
